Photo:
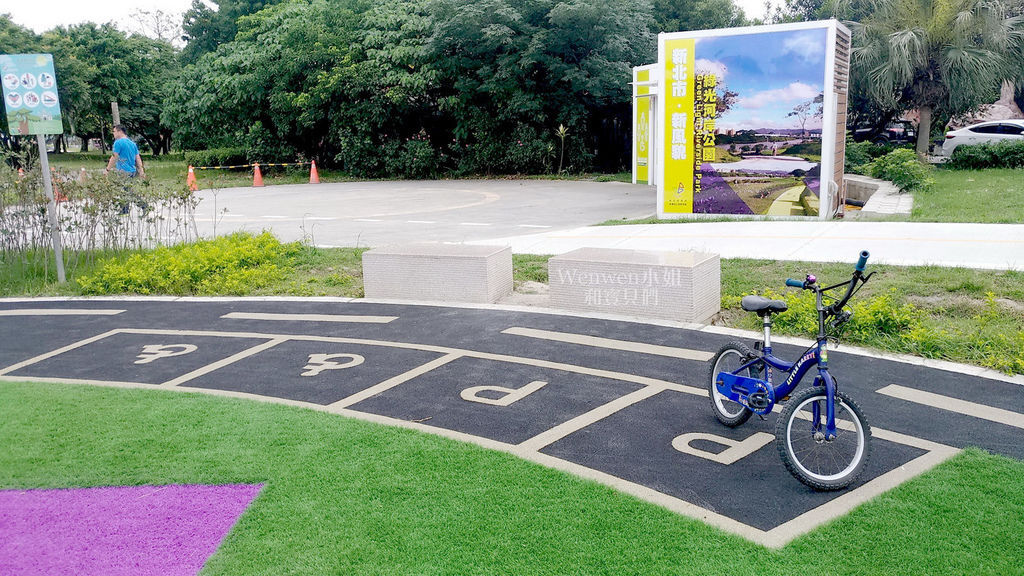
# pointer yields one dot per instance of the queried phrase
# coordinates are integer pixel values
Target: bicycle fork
(829, 434)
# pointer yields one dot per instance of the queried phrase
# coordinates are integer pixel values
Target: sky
(771, 73)
(42, 15)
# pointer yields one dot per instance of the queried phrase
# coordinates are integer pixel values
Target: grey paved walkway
(986, 246)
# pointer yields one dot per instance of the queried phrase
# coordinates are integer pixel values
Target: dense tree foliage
(416, 87)
(427, 87)
(941, 57)
(207, 27)
(96, 65)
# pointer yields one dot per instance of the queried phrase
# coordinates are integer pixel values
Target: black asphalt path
(634, 443)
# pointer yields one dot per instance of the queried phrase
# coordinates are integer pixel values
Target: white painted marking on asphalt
(420, 222)
(310, 317)
(60, 312)
(367, 220)
(275, 217)
(473, 224)
(735, 450)
(532, 226)
(580, 422)
(625, 345)
(951, 404)
(327, 218)
(392, 382)
(224, 362)
(57, 352)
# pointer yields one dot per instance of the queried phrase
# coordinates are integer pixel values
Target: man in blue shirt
(126, 156)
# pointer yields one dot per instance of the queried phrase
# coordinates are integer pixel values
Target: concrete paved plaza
(379, 213)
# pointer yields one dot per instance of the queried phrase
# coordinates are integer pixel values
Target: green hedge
(216, 157)
(234, 264)
(1004, 154)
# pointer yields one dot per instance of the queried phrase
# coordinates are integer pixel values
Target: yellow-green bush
(234, 264)
(884, 322)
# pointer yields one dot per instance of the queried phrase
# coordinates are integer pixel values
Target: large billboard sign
(750, 120)
(30, 94)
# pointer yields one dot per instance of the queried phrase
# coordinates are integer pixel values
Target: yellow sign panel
(642, 130)
(678, 151)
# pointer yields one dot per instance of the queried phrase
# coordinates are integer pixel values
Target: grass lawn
(994, 195)
(348, 497)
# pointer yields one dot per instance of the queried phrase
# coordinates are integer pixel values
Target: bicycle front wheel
(817, 462)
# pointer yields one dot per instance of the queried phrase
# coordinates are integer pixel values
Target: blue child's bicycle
(822, 436)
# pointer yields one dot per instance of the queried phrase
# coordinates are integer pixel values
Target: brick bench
(682, 286)
(438, 272)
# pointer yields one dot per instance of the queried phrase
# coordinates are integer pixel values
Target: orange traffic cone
(190, 180)
(257, 176)
(58, 196)
(314, 176)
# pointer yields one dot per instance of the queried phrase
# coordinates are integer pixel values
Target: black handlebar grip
(862, 262)
(794, 283)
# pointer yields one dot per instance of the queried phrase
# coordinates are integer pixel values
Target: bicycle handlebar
(851, 286)
(858, 274)
(863, 261)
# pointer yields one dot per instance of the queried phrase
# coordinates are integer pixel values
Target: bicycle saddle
(762, 305)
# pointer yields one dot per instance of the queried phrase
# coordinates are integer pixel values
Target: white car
(983, 132)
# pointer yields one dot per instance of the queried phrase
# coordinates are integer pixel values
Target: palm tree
(936, 55)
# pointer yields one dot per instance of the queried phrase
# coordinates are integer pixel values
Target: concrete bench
(683, 286)
(438, 272)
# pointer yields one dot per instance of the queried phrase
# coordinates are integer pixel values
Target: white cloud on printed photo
(807, 47)
(705, 66)
(795, 92)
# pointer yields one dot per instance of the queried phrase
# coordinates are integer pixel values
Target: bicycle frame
(761, 394)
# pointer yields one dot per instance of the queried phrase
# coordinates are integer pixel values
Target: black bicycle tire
(782, 425)
(745, 413)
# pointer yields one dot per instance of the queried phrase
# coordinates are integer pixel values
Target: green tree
(942, 57)
(682, 15)
(273, 89)
(205, 28)
(14, 39)
(97, 65)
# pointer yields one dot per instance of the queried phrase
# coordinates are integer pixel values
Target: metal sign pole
(51, 207)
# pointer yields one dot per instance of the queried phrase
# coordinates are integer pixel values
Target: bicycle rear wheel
(729, 359)
(800, 436)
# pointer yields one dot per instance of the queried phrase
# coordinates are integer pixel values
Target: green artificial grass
(349, 497)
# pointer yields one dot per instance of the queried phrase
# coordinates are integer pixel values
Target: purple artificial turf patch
(166, 530)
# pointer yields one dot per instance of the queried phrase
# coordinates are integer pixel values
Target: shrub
(1004, 154)
(860, 154)
(216, 157)
(233, 264)
(902, 168)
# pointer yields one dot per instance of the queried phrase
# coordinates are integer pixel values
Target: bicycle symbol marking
(317, 363)
(508, 395)
(153, 352)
